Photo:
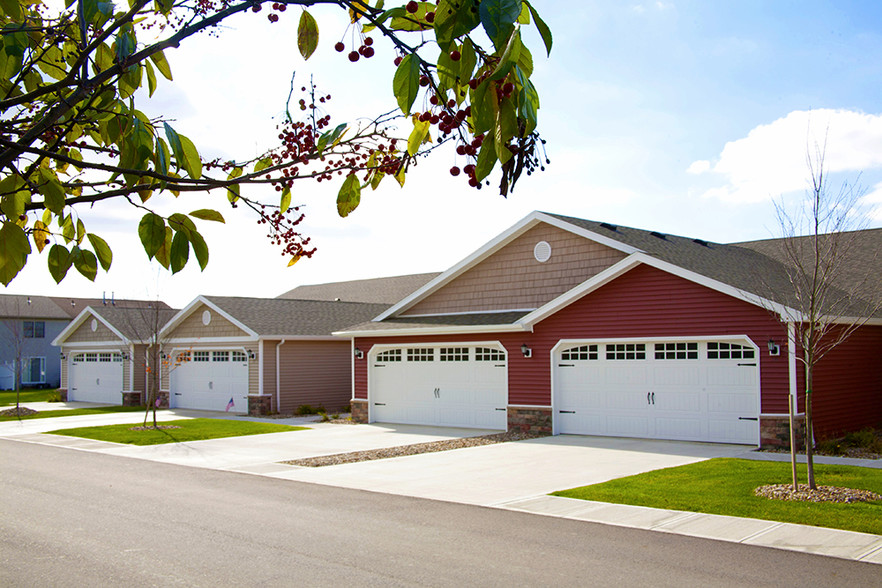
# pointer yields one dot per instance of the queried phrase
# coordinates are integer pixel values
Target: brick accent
(62, 393)
(775, 432)
(260, 405)
(163, 399)
(529, 420)
(360, 411)
(131, 398)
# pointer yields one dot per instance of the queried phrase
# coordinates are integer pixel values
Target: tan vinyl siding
(63, 373)
(85, 334)
(513, 279)
(269, 369)
(192, 327)
(139, 381)
(317, 373)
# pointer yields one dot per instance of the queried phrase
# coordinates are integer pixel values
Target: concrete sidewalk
(514, 476)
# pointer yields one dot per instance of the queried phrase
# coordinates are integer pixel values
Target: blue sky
(683, 117)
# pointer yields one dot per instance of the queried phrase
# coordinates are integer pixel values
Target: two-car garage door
(685, 390)
(450, 385)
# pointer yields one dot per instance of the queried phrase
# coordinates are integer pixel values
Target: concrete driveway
(487, 475)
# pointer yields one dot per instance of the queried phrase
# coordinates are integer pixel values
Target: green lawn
(725, 486)
(47, 414)
(190, 430)
(7, 397)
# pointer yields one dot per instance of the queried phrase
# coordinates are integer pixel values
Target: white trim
(445, 330)
(176, 320)
(80, 319)
(780, 415)
(352, 370)
(528, 406)
(278, 374)
(467, 312)
(81, 344)
(298, 337)
(214, 340)
(259, 360)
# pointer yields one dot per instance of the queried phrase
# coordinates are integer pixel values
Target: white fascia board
(479, 255)
(81, 320)
(632, 261)
(290, 338)
(449, 330)
(590, 235)
(211, 340)
(188, 310)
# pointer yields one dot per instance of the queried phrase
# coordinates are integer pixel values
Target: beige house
(259, 355)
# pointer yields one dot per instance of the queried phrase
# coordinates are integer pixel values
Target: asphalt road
(72, 518)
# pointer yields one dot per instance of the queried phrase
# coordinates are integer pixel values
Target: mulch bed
(152, 428)
(822, 494)
(415, 449)
(20, 411)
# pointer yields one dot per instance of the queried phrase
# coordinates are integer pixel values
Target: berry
(272, 17)
(282, 7)
(412, 7)
(473, 83)
(455, 55)
(451, 103)
(339, 47)
(430, 17)
(368, 41)
(508, 88)
(368, 52)
(353, 56)
(424, 81)
(397, 60)
(256, 8)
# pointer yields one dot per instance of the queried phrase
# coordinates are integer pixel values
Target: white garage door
(210, 380)
(453, 385)
(95, 377)
(684, 390)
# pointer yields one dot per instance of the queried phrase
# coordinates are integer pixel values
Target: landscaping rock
(20, 411)
(822, 494)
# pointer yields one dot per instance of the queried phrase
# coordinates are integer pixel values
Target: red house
(572, 326)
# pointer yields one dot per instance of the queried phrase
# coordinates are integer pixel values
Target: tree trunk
(809, 435)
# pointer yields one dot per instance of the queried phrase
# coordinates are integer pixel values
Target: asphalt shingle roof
(386, 291)
(136, 323)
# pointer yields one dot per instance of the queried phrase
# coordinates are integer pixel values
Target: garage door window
(488, 354)
(200, 356)
(91, 357)
(454, 354)
(220, 356)
(716, 350)
(626, 351)
(239, 356)
(423, 354)
(582, 353)
(676, 350)
(389, 356)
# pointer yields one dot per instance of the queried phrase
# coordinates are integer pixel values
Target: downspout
(259, 369)
(278, 377)
(131, 367)
(352, 371)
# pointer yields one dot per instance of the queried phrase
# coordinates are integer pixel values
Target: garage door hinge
(746, 364)
(379, 404)
(566, 365)
(567, 411)
(500, 409)
(747, 418)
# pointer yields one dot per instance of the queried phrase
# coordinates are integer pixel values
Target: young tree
(72, 135)
(829, 296)
(12, 336)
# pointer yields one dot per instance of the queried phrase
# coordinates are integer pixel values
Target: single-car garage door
(452, 385)
(210, 380)
(684, 390)
(96, 377)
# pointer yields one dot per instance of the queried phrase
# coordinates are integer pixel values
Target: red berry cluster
(282, 232)
(273, 16)
(365, 50)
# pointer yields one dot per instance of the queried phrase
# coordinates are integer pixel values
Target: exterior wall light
(251, 354)
(526, 350)
(774, 348)
(63, 357)
(359, 354)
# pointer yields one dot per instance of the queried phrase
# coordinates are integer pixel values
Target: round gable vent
(542, 251)
(94, 325)
(206, 317)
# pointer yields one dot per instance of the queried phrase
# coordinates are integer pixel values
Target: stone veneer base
(360, 411)
(260, 405)
(775, 432)
(131, 398)
(530, 419)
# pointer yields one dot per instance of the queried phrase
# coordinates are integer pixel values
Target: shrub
(304, 409)
(53, 396)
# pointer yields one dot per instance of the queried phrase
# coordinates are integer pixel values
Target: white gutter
(457, 330)
(278, 376)
(259, 367)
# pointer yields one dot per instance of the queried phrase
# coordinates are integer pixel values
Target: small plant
(325, 417)
(54, 396)
(304, 410)
(346, 408)
(335, 416)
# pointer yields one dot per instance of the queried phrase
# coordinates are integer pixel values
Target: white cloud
(771, 159)
(699, 167)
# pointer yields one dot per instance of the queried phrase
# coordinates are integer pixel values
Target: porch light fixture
(125, 356)
(774, 348)
(526, 350)
(359, 354)
(162, 355)
(62, 356)
(251, 354)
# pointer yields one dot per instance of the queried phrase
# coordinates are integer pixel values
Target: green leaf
(486, 158)
(68, 231)
(498, 18)
(199, 248)
(85, 262)
(453, 19)
(181, 222)
(483, 107)
(81, 231)
(208, 214)
(263, 164)
(11, 8)
(164, 6)
(162, 156)
(59, 262)
(151, 230)
(102, 250)
(544, 31)
(15, 251)
(180, 252)
(330, 138)
(307, 35)
(505, 129)
(163, 253)
(285, 203)
(161, 64)
(52, 191)
(192, 161)
(151, 78)
(417, 136)
(406, 83)
(349, 196)
(509, 56)
(15, 196)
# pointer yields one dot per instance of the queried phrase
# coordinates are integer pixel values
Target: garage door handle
(500, 409)
(567, 411)
(379, 404)
(177, 393)
(747, 418)
(746, 364)
(566, 365)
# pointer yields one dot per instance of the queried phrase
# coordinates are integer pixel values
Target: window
(34, 329)
(105, 357)
(220, 356)
(200, 356)
(489, 354)
(424, 354)
(626, 351)
(389, 356)
(716, 350)
(91, 357)
(585, 352)
(239, 356)
(676, 350)
(34, 370)
(454, 354)
(183, 357)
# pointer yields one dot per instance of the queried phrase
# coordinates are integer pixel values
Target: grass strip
(725, 486)
(7, 397)
(48, 414)
(186, 430)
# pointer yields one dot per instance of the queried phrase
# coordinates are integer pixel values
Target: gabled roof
(73, 306)
(280, 317)
(376, 290)
(30, 307)
(132, 324)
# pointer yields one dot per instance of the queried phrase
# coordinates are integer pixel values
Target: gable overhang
(639, 258)
(80, 320)
(176, 320)
(494, 245)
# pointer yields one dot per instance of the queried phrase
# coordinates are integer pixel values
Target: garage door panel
(676, 375)
(731, 403)
(96, 377)
(687, 429)
(205, 382)
(627, 426)
(634, 375)
(626, 399)
(676, 400)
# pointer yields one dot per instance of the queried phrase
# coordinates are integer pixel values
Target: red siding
(644, 302)
(848, 385)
